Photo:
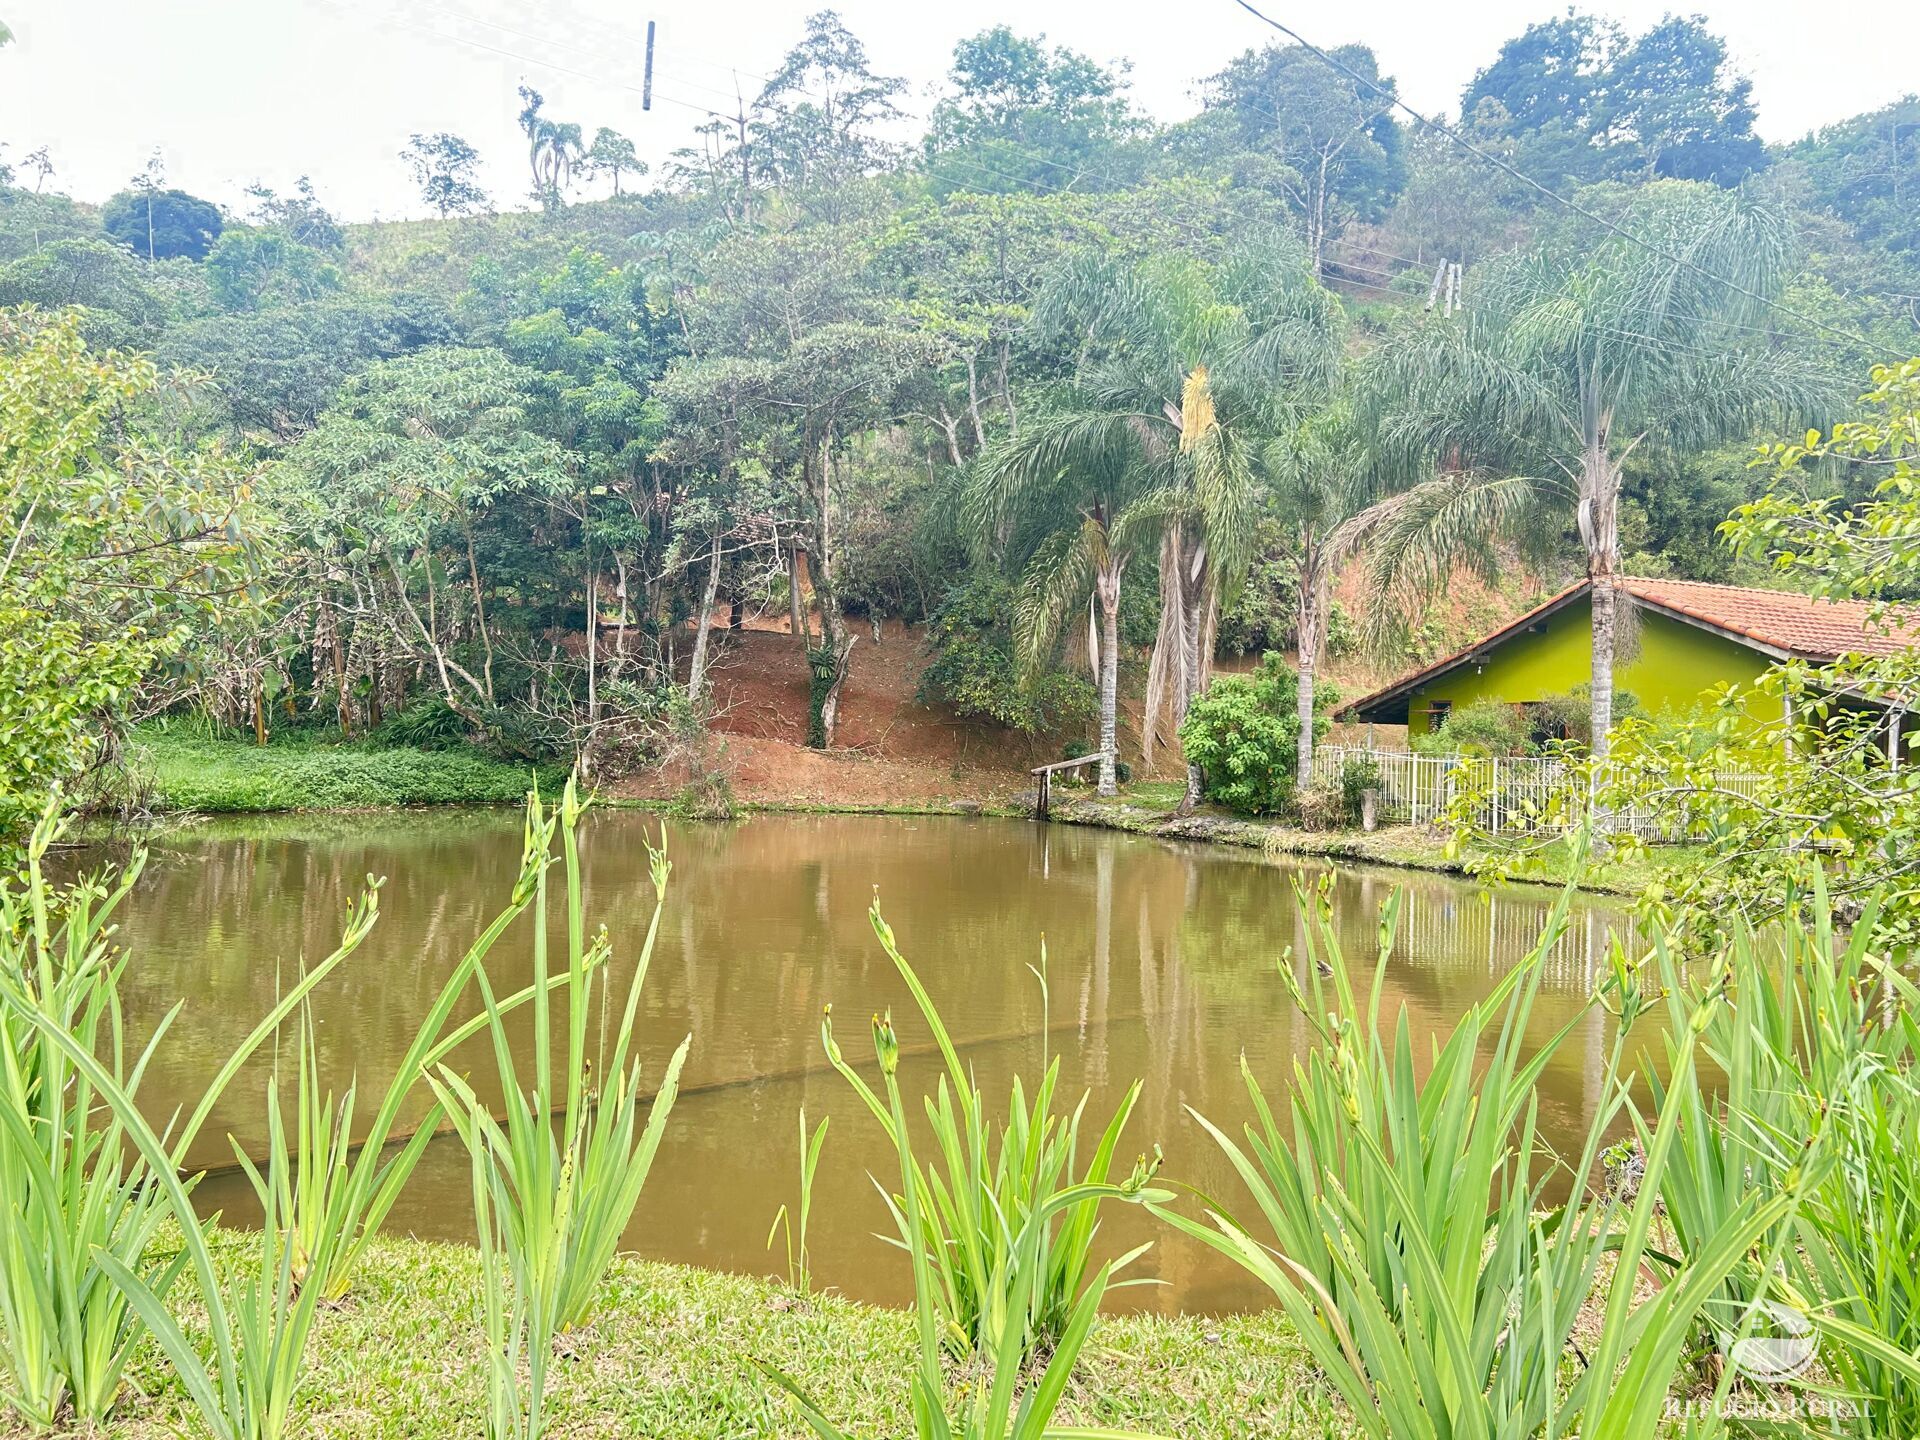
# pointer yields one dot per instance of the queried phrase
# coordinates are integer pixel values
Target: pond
(1160, 964)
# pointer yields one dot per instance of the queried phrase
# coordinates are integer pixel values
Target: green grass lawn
(189, 772)
(668, 1355)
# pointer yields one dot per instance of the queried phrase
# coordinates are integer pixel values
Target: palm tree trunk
(1605, 614)
(697, 671)
(1196, 587)
(1307, 633)
(1108, 584)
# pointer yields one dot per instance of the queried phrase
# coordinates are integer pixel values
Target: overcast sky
(237, 91)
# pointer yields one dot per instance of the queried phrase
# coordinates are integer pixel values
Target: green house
(1688, 638)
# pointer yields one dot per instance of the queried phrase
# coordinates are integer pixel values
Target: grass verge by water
(668, 1352)
(189, 772)
(1151, 808)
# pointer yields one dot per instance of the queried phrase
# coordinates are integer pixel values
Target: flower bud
(886, 1044)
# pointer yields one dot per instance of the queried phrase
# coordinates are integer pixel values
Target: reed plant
(1412, 1244)
(85, 1183)
(337, 1195)
(794, 1221)
(1824, 1038)
(993, 1404)
(557, 1177)
(987, 1181)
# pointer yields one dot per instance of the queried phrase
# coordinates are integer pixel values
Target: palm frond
(1418, 538)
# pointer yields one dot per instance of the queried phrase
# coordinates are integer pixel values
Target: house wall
(1672, 665)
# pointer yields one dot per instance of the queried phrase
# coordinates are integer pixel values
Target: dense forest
(1094, 398)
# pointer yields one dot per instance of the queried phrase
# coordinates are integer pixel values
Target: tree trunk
(1308, 627)
(593, 652)
(697, 671)
(480, 619)
(796, 616)
(1108, 584)
(1600, 499)
(1195, 584)
(1601, 698)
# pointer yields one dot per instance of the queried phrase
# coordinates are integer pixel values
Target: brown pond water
(1161, 963)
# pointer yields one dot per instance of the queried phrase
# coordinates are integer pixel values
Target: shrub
(1359, 774)
(429, 724)
(219, 776)
(1321, 807)
(998, 1213)
(974, 671)
(1018, 1234)
(1244, 734)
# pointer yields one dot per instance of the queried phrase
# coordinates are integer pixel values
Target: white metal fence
(1509, 792)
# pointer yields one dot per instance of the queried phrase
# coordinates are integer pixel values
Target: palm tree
(1340, 495)
(1096, 508)
(1180, 369)
(1570, 359)
(554, 149)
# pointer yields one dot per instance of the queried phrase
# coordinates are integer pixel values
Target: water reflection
(1160, 964)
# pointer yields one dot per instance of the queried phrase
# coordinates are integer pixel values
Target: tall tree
(1096, 504)
(443, 166)
(395, 487)
(162, 224)
(792, 352)
(555, 150)
(1022, 115)
(1581, 102)
(1333, 139)
(1567, 361)
(1676, 100)
(613, 154)
(123, 549)
(1182, 368)
(814, 125)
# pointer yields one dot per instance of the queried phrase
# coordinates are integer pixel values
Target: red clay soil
(889, 749)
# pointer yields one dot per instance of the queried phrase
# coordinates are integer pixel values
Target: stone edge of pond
(1403, 847)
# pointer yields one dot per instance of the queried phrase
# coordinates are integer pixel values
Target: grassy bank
(191, 772)
(668, 1356)
(186, 771)
(1150, 808)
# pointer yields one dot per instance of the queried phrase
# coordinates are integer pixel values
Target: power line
(1527, 180)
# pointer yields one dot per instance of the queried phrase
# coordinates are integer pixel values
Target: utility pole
(746, 169)
(1433, 294)
(646, 84)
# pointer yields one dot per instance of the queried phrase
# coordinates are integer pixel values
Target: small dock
(1043, 800)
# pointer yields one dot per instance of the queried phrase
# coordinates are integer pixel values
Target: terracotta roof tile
(1810, 628)
(1797, 624)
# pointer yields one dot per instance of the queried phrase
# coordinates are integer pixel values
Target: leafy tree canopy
(162, 224)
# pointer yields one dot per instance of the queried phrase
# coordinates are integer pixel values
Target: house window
(1544, 722)
(1437, 713)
